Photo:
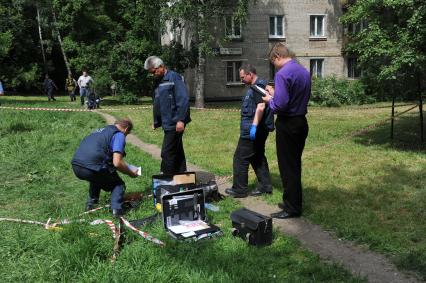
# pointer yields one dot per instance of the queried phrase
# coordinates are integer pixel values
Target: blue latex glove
(253, 130)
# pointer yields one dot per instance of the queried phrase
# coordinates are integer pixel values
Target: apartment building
(310, 28)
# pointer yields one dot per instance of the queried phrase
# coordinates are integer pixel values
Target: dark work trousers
(50, 94)
(251, 153)
(290, 141)
(104, 180)
(172, 154)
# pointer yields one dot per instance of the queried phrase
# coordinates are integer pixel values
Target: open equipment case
(181, 200)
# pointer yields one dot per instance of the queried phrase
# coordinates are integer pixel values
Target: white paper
(260, 89)
(133, 168)
(188, 226)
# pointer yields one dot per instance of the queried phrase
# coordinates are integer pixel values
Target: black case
(252, 227)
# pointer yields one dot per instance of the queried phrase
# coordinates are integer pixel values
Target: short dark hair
(248, 68)
(125, 123)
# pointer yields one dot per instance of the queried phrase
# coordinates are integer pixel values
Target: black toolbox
(252, 227)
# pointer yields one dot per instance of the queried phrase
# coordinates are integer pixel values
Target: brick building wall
(256, 39)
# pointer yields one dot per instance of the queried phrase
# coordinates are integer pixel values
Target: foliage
(392, 48)
(332, 91)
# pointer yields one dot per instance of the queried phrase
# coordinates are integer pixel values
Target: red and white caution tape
(141, 233)
(110, 224)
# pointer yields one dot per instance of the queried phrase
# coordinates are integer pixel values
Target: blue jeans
(102, 180)
(84, 92)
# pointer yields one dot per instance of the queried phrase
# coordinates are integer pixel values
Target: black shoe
(235, 194)
(89, 207)
(258, 192)
(117, 213)
(284, 215)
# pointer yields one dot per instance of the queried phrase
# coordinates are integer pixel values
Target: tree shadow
(407, 135)
(379, 211)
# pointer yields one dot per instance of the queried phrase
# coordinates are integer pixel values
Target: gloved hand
(253, 129)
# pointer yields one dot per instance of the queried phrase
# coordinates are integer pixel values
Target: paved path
(359, 261)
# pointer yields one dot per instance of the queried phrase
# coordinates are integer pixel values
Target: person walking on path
(97, 160)
(256, 122)
(70, 87)
(289, 101)
(49, 85)
(85, 84)
(171, 112)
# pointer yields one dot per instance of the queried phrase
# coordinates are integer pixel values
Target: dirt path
(358, 260)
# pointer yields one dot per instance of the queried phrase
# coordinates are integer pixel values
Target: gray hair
(153, 62)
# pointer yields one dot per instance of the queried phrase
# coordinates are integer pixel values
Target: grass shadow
(406, 135)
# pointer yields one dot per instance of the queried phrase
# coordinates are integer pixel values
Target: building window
(233, 27)
(317, 68)
(353, 68)
(317, 24)
(233, 72)
(276, 27)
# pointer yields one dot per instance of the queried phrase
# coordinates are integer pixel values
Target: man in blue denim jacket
(171, 112)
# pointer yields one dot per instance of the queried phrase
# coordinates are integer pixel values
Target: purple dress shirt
(292, 90)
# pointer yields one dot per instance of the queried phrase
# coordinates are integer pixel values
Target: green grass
(365, 187)
(38, 183)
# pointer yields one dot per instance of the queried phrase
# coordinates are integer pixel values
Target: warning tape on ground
(141, 233)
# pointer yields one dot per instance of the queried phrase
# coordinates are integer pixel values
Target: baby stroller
(93, 101)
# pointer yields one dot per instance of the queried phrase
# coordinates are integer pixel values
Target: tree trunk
(199, 80)
(201, 66)
(41, 39)
(67, 64)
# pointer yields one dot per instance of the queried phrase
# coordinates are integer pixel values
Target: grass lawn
(363, 187)
(38, 183)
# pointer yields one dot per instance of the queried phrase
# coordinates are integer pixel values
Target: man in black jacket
(171, 111)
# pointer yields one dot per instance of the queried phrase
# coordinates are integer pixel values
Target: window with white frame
(276, 27)
(317, 25)
(233, 72)
(233, 27)
(353, 69)
(317, 67)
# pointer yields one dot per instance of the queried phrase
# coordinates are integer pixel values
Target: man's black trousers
(251, 153)
(172, 154)
(290, 141)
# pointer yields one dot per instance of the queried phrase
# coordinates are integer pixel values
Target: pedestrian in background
(85, 83)
(49, 86)
(70, 87)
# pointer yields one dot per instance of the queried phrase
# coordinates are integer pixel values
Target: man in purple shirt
(289, 100)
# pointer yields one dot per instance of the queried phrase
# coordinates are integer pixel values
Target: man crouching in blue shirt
(171, 111)
(97, 160)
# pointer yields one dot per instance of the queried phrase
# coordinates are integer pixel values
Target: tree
(201, 16)
(391, 50)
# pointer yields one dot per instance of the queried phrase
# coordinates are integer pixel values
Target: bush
(332, 91)
(128, 98)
